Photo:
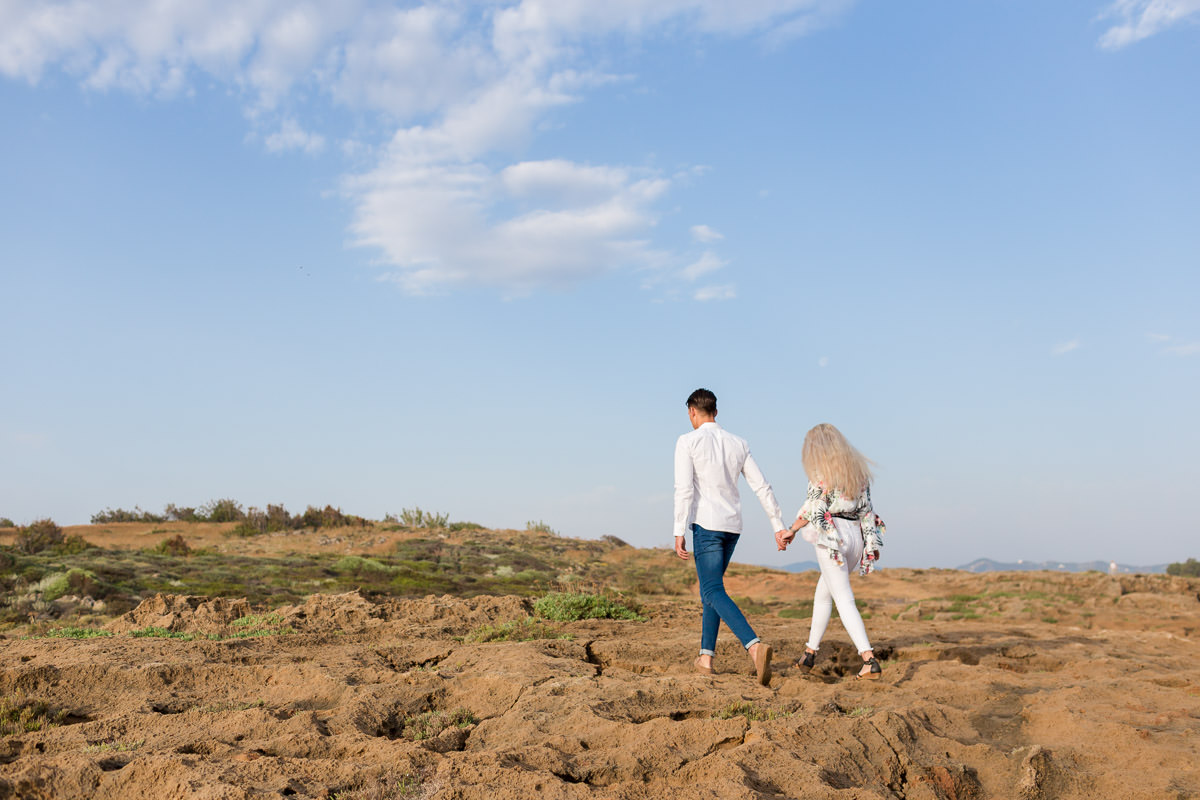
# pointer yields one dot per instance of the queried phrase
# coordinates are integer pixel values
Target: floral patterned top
(820, 509)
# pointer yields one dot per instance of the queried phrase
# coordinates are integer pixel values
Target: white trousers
(834, 587)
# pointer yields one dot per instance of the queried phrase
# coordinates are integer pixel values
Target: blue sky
(474, 256)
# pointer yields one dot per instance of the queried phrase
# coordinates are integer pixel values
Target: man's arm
(762, 489)
(685, 489)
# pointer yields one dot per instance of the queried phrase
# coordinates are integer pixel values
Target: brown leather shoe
(703, 670)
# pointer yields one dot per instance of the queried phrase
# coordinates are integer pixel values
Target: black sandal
(876, 670)
(807, 662)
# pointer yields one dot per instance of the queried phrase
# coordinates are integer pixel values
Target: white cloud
(461, 90)
(722, 292)
(1140, 19)
(1190, 349)
(1158, 337)
(291, 136)
(823, 362)
(1065, 347)
(708, 262)
(705, 234)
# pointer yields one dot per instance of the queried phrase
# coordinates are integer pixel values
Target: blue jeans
(713, 551)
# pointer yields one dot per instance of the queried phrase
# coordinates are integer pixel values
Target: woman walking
(838, 520)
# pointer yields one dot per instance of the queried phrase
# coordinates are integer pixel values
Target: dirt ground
(995, 686)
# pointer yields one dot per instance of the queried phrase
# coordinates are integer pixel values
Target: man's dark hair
(704, 401)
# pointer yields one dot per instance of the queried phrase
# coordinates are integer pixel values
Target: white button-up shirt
(708, 462)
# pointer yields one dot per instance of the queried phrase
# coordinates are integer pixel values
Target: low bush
(1186, 569)
(416, 518)
(176, 547)
(540, 527)
(39, 535)
(221, 511)
(5, 522)
(572, 606)
(111, 515)
(76, 633)
(184, 514)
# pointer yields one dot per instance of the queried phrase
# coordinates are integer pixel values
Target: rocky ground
(994, 686)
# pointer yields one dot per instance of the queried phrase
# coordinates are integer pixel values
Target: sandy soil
(1106, 704)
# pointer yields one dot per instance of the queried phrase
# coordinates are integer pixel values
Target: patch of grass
(801, 611)
(752, 712)
(219, 708)
(75, 633)
(19, 716)
(540, 527)
(522, 630)
(572, 606)
(402, 788)
(860, 711)
(358, 564)
(431, 723)
(154, 632)
(748, 606)
(115, 746)
(1050, 620)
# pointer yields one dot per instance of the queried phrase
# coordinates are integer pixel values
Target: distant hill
(800, 566)
(988, 565)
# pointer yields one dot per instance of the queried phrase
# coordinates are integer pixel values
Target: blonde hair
(830, 459)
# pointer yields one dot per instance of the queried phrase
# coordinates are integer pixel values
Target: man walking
(708, 462)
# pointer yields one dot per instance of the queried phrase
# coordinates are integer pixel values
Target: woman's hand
(784, 538)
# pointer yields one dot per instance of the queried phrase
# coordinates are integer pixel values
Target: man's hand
(783, 538)
(681, 547)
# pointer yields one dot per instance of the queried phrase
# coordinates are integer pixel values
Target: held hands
(783, 538)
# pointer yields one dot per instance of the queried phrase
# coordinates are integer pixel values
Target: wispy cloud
(1063, 348)
(705, 234)
(823, 362)
(291, 136)
(708, 262)
(1141, 19)
(1158, 337)
(723, 292)
(1189, 349)
(460, 90)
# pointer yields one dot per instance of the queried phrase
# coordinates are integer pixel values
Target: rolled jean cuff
(704, 652)
(751, 643)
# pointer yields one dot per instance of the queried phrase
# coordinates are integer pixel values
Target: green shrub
(111, 515)
(1186, 569)
(329, 517)
(466, 526)
(221, 511)
(38, 535)
(540, 527)
(5, 522)
(19, 716)
(572, 606)
(416, 518)
(184, 514)
(360, 564)
(176, 547)
(431, 723)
